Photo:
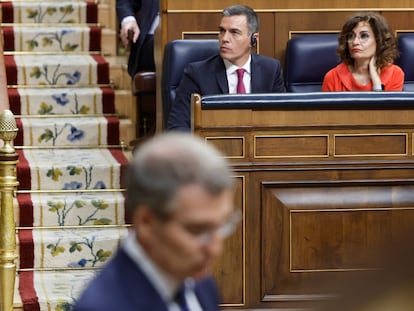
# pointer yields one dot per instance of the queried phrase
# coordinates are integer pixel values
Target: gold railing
(8, 186)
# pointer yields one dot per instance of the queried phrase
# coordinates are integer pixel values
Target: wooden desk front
(322, 190)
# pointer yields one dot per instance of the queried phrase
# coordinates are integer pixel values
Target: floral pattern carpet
(70, 199)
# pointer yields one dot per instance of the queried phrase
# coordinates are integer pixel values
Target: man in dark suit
(139, 33)
(180, 200)
(238, 33)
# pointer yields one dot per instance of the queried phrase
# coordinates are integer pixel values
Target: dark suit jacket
(208, 77)
(121, 285)
(147, 9)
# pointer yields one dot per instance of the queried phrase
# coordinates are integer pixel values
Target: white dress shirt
(232, 76)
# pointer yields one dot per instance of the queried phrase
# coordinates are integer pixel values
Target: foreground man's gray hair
(169, 161)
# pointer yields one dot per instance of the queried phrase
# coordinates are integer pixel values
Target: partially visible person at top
(238, 33)
(367, 48)
(138, 33)
(180, 199)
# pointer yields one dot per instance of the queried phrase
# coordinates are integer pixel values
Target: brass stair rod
(8, 187)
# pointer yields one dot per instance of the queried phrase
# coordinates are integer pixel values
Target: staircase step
(53, 290)
(70, 169)
(71, 209)
(42, 38)
(76, 131)
(68, 247)
(56, 70)
(69, 194)
(64, 101)
(119, 76)
(52, 12)
(107, 15)
(127, 131)
(17, 305)
(125, 104)
(109, 42)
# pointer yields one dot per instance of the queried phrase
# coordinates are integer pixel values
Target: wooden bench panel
(326, 189)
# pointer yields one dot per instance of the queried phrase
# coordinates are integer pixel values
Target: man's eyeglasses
(205, 236)
(363, 36)
(223, 231)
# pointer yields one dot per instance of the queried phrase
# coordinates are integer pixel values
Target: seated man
(219, 74)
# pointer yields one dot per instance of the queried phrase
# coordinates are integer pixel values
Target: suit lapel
(206, 294)
(256, 80)
(221, 76)
(137, 287)
(203, 300)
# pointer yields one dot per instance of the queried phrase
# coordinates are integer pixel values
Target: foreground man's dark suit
(208, 77)
(121, 285)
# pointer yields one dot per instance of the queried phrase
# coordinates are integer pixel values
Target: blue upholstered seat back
(311, 100)
(308, 58)
(406, 59)
(177, 54)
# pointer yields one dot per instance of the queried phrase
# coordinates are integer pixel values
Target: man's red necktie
(240, 85)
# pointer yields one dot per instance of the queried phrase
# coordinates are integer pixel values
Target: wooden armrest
(143, 82)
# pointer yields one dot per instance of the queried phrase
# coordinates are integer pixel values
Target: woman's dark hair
(386, 51)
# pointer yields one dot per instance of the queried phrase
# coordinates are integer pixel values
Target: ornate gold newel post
(8, 186)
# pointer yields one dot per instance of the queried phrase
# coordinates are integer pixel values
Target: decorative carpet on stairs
(61, 101)
(49, 12)
(52, 39)
(56, 70)
(70, 199)
(79, 131)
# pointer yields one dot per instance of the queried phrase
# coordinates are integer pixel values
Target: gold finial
(8, 131)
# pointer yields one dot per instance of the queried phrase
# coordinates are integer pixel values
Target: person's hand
(374, 72)
(129, 32)
(373, 64)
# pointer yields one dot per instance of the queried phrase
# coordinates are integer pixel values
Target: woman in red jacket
(367, 48)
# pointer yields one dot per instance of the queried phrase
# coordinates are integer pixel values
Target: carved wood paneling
(315, 234)
(371, 144)
(278, 25)
(281, 4)
(268, 146)
(290, 146)
(230, 268)
(233, 147)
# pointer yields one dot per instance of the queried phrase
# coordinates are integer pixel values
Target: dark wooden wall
(312, 205)
(279, 20)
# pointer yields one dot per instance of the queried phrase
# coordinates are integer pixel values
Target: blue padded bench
(177, 54)
(406, 59)
(312, 100)
(308, 59)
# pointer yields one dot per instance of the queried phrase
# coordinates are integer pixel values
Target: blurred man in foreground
(180, 198)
